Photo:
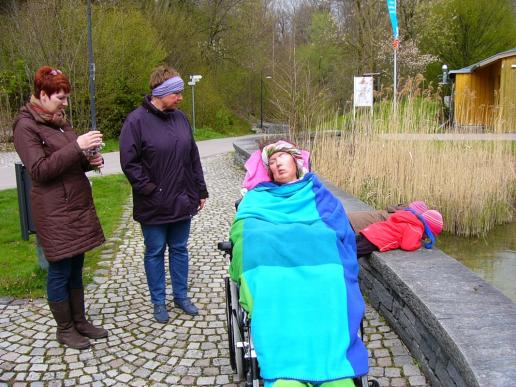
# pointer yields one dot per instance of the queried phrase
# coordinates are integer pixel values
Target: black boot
(83, 326)
(66, 332)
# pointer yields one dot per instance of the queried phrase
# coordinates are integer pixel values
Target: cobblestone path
(140, 352)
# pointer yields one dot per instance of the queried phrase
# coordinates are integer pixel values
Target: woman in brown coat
(62, 203)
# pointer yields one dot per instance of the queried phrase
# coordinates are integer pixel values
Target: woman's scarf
(56, 119)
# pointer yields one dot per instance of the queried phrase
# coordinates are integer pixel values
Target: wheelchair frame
(241, 349)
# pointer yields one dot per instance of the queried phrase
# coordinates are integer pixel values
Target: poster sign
(363, 91)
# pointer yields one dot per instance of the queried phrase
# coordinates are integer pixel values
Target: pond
(493, 257)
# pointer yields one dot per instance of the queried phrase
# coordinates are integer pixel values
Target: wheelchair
(241, 350)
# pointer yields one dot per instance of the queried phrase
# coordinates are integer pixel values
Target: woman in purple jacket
(159, 156)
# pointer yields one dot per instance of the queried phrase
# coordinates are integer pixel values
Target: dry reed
(393, 157)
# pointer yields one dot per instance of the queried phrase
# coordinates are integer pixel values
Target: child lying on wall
(361, 219)
(402, 230)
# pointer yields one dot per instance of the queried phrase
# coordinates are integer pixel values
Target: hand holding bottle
(90, 140)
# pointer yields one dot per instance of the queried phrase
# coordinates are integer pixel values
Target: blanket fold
(294, 256)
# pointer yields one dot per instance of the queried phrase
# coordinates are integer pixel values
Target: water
(493, 257)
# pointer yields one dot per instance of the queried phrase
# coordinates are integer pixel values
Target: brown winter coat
(62, 204)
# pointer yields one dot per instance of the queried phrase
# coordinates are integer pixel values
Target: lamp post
(261, 97)
(193, 80)
(91, 78)
(445, 74)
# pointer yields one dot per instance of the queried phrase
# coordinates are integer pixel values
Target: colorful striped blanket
(294, 257)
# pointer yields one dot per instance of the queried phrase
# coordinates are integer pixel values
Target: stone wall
(460, 329)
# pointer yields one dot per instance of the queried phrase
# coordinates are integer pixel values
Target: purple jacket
(161, 161)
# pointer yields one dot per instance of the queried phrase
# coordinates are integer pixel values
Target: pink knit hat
(419, 206)
(434, 219)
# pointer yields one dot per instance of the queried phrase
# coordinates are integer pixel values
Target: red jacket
(402, 230)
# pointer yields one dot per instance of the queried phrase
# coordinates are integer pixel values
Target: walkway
(188, 351)
(112, 159)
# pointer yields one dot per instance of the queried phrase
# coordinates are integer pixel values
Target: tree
(462, 32)
(126, 49)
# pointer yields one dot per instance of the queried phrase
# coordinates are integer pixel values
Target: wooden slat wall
(476, 95)
(507, 102)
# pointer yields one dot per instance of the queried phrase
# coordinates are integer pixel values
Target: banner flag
(391, 6)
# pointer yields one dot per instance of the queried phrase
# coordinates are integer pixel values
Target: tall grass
(393, 156)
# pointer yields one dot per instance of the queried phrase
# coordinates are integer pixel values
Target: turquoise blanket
(294, 256)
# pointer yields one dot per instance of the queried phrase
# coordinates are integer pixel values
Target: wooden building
(484, 94)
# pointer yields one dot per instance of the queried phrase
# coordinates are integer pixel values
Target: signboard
(363, 91)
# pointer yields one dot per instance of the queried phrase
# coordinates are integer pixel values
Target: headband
(170, 86)
(284, 146)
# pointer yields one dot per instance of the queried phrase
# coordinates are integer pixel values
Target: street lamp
(261, 97)
(193, 80)
(445, 73)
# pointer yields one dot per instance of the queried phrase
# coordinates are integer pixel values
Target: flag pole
(395, 77)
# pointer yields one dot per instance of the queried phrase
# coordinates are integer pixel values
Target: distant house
(484, 94)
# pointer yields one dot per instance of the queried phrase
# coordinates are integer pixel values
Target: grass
(110, 145)
(209, 134)
(20, 275)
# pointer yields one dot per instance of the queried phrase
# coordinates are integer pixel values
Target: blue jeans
(156, 238)
(64, 275)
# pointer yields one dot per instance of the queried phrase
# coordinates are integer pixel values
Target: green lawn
(208, 133)
(110, 145)
(20, 275)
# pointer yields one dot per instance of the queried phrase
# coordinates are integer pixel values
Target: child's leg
(361, 219)
(364, 247)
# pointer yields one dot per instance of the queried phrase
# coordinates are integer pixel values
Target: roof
(485, 62)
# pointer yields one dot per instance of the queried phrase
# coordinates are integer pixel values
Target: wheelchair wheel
(235, 329)
(229, 325)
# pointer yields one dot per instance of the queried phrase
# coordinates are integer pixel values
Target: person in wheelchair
(294, 259)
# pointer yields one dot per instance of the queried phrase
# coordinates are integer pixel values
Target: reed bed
(391, 157)
(473, 185)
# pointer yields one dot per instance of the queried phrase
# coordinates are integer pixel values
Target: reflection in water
(493, 258)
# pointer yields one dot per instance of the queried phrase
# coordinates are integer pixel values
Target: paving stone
(418, 380)
(187, 351)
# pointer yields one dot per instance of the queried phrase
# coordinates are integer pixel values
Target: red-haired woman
(62, 205)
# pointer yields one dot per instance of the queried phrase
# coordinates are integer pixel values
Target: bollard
(23, 186)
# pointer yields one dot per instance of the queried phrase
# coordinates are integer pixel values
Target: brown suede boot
(66, 332)
(83, 326)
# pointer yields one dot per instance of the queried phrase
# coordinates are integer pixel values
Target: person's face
(55, 103)
(283, 167)
(171, 101)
